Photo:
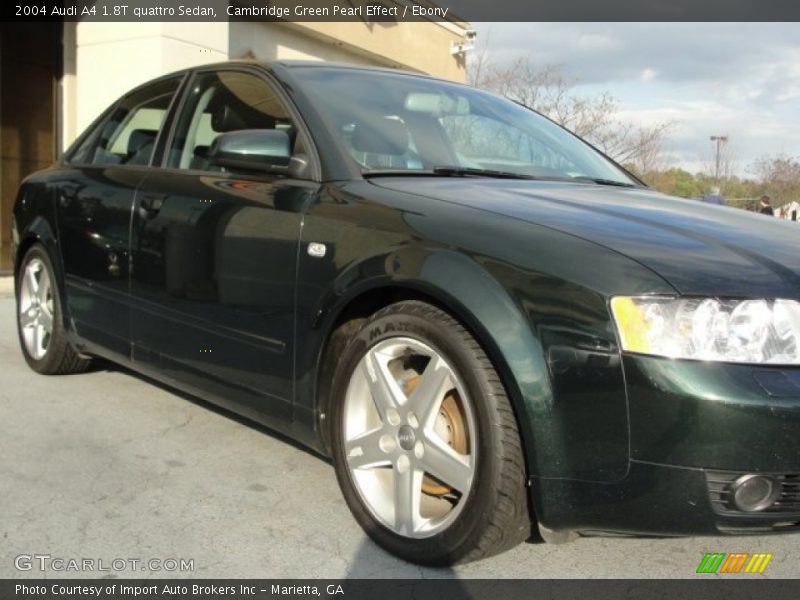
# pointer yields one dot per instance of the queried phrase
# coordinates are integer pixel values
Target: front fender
(38, 230)
(536, 299)
(466, 289)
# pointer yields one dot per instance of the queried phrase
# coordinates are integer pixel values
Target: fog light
(754, 492)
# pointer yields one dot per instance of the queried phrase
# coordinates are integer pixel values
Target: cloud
(648, 74)
(736, 79)
(594, 52)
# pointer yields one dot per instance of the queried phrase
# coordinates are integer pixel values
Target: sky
(741, 80)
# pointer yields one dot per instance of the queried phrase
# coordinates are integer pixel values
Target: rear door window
(128, 136)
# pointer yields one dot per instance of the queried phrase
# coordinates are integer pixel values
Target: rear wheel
(425, 442)
(39, 318)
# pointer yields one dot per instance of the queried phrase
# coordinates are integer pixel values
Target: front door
(214, 256)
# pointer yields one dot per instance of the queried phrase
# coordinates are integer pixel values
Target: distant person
(714, 197)
(765, 207)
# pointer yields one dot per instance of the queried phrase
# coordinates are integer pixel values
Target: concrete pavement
(107, 465)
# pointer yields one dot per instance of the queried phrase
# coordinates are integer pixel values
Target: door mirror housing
(266, 150)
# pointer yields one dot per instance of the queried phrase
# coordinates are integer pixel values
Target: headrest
(384, 136)
(139, 138)
(230, 114)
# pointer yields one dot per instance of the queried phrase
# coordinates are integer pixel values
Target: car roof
(318, 64)
(288, 64)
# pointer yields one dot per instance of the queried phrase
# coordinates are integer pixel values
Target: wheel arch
(479, 303)
(40, 232)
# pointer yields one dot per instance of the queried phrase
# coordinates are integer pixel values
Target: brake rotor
(451, 426)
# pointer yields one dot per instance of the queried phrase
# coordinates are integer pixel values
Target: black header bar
(403, 10)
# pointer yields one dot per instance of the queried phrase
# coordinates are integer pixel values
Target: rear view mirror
(252, 149)
(437, 105)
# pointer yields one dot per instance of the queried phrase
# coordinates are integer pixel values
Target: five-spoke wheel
(36, 308)
(424, 439)
(39, 318)
(408, 432)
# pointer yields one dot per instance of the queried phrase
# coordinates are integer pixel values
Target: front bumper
(694, 429)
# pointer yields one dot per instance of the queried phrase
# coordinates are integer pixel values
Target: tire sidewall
(450, 545)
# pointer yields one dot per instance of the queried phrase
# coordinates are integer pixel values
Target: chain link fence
(744, 203)
(784, 210)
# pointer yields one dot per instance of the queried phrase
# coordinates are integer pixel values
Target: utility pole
(719, 139)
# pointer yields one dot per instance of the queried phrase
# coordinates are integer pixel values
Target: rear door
(214, 253)
(94, 199)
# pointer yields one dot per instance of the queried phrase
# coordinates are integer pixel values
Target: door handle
(151, 204)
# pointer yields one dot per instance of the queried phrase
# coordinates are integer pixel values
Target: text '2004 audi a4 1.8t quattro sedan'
(488, 325)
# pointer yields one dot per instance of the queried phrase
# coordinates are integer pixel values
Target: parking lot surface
(107, 465)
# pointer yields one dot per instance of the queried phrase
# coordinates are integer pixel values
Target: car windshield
(399, 123)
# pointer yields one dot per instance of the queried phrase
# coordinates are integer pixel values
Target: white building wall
(111, 58)
(280, 41)
(67, 121)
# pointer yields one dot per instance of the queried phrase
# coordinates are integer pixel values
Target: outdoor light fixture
(719, 140)
(461, 47)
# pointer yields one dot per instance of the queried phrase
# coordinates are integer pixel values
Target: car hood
(700, 249)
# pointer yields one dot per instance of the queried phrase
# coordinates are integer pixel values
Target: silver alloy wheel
(36, 307)
(399, 440)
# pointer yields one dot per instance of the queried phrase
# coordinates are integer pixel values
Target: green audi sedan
(493, 330)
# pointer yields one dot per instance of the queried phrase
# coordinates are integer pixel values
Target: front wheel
(39, 318)
(425, 442)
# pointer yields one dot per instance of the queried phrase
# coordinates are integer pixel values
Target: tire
(40, 322)
(453, 449)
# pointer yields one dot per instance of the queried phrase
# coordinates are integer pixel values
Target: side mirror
(252, 149)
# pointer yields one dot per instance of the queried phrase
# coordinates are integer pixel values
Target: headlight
(741, 331)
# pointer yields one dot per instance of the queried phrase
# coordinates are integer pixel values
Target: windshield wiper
(601, 181)
(447, 171)
(472, 172)
(455, 171)
(396, 173)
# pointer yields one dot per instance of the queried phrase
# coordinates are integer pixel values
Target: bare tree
(641, 148)
(780, 177)
(477, 65)
(546, 90)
